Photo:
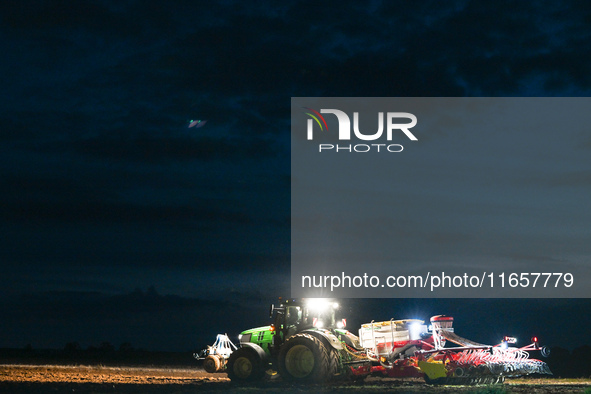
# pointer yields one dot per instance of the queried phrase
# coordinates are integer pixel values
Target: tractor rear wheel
(333, 360)
(212, 363)
(303, 358)
(245, 365)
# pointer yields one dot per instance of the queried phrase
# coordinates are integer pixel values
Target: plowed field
(100, 379)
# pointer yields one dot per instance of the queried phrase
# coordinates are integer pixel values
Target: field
(111, 379)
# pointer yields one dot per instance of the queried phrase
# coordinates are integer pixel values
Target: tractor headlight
(317, 304)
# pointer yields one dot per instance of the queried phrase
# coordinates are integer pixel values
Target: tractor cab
(293, 316)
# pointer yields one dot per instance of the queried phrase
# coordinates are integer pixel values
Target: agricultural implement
(307, 343)
(215, 356)
(405, 348)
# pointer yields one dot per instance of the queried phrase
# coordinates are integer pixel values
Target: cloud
(98, 170)
(146, 319)
(154, 150)
(95, 305)
(567, 179)
(105, 212)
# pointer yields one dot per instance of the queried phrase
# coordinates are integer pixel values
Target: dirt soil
(101, 379)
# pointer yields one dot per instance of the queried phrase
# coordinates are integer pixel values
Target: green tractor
(305, 343)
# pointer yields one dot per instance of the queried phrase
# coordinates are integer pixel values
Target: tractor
(305, 343)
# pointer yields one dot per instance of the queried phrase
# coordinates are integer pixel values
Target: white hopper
(381, 337)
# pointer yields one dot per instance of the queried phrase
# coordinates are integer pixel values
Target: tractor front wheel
(245, 365)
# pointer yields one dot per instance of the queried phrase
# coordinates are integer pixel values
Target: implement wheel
(303, 358)
(212, 363)
(245, 365)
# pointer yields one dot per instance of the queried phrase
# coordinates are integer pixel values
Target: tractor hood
(256, 330)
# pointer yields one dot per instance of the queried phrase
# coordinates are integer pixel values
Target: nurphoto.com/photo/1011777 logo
(392, 125)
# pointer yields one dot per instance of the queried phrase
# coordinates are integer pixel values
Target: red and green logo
(315, 116)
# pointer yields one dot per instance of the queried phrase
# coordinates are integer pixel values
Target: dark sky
(105, 190)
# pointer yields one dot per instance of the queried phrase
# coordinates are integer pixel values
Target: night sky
(120, 224)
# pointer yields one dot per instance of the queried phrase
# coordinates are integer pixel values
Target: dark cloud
(97, 213)
(149, 319)
(569, 179)
(95, 305)
(141, 317)
(152, 150)
(103, 186)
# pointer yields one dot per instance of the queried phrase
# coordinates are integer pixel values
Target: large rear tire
(303, 358)
(333, 360)
(245, 365)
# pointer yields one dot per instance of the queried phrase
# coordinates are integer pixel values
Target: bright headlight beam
(414, 331)
(317, 304)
